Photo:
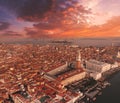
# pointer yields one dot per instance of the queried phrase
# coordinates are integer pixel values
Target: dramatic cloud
(27, 9)
(63, 15)
(11, 34)
(37, 10)
(34, 33)
(4, 25)
(59, 18)
(34, 10)
(109, 29)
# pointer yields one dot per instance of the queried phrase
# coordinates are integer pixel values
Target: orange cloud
(110, 29)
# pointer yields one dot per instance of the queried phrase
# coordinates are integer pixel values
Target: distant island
(61, 41)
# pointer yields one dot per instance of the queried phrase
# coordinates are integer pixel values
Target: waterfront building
(115, 65)
(118, 54)
(97, 66)
(96, 75)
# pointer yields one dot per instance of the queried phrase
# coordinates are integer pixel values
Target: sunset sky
(59, 18)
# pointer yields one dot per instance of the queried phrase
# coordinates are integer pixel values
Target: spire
(78, 58)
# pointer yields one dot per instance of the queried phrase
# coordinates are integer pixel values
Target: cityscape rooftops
(28, 60)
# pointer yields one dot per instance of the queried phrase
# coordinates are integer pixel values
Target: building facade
(97, 66)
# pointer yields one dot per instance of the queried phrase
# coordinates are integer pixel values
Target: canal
(111, 94)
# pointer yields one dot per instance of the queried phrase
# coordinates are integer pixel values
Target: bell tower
(78, 60)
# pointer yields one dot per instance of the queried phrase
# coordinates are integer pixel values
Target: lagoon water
(111, 94)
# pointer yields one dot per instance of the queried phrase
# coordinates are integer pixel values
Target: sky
(21, 19)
